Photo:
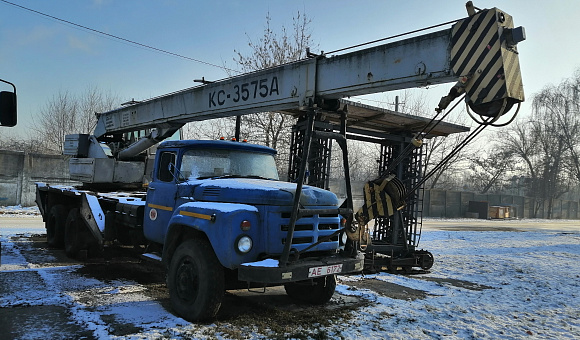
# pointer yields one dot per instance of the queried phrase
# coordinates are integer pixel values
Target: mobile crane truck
(214, 212)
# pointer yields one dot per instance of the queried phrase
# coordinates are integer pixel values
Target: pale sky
(43, 56)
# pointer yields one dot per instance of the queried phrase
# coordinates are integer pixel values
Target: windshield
(234, 163)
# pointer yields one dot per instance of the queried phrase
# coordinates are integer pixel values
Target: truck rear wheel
(317, 291)
(55, 224)
(76, 234)
(195, 281)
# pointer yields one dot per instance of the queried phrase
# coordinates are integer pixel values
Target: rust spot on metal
(397, 61)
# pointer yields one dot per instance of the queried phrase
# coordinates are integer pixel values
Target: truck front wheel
(317, 291)
(55, 224)
(195, 281)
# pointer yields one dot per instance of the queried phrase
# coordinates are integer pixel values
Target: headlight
(244, 244)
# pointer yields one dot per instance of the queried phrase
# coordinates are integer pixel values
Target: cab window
(166, 170)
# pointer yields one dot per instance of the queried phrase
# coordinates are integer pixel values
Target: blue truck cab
(222, 215)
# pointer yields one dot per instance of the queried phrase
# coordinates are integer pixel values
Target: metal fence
(455, 204)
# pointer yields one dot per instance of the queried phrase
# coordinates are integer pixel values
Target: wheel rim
(187, 280)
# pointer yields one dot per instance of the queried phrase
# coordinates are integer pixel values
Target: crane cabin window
(199, 164)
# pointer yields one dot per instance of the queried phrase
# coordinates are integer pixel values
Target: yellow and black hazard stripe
(378, 201)
(479, 52)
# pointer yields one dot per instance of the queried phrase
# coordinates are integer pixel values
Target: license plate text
(324, 270)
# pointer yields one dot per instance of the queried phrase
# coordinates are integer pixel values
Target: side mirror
(8, 106)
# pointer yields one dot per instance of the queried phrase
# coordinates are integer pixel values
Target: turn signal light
(245, 225)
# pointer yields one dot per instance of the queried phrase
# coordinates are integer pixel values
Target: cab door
(161, 197)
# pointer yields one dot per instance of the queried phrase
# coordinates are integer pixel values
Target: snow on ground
(484, 284)
(521, 284)
(18, 211)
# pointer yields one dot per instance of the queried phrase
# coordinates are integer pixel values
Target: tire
(76, 234)
(317, 291)
(195, 281)
(426, 260)
(55, 224)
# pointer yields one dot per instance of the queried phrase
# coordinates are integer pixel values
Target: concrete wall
(19, 171)
(453, 204)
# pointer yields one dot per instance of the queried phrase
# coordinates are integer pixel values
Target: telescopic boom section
(478, 52)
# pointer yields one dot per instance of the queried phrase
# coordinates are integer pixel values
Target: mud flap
(94, 217)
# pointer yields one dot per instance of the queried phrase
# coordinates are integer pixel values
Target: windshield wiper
(258, 177)
(241, 176)
(236, 176)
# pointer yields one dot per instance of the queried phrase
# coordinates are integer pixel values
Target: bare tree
(29, 145)
(274, 49)
(268, 128)
(271, 49)
(66, 113)
(489, 171)
(91, 102)
(56, 120)
(554, 126)
(209, 129)
(563, 106)
(362, 159)
(438, 148)
(546, 143)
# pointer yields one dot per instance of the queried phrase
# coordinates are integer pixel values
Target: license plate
(324, 270)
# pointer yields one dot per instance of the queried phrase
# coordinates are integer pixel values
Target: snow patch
(222, 207)
(18, 211)
(270, 263)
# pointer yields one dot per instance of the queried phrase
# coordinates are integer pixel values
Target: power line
(119, 38)
(392, 37)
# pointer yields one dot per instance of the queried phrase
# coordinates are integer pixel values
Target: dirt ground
(271, 309)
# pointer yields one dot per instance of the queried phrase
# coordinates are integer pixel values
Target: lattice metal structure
(394, 239)
(402, 232)
(320, 151)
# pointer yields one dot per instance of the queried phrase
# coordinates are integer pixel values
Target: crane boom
(292, 86)
(479, 51)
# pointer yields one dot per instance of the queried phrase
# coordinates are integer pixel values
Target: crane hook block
(483, 49)
(382, 198)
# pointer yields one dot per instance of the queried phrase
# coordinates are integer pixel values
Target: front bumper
(303, 269)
